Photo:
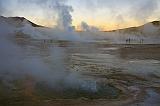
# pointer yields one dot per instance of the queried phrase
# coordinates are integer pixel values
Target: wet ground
(128, 75)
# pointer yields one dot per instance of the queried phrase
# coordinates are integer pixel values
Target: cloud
(143, 10)
(60, 11)
(127, 10)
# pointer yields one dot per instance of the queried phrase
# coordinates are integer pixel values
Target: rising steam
(88, 28)
(56, 9)
(64, 21)
(15, 65)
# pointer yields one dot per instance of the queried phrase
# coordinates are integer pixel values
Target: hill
(152, 28)
(17, 21)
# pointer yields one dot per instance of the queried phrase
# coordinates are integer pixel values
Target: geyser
(64, 21)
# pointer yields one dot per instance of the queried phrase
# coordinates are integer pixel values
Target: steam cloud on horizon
(88, 28)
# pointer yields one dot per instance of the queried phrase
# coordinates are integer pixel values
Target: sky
(103, 14)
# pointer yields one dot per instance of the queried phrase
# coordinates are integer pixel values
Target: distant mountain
(152, 28)
(149, 28)
(148, 33)
(17, 21)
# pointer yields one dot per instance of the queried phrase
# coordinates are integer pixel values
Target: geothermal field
(112, 58)
(96, 71)
(65, 73)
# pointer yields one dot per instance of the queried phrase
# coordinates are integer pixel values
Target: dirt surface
(131, 69)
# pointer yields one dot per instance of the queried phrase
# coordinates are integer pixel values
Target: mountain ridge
(18, 21)
(154, 23)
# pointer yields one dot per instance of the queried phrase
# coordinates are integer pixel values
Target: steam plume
(46, 8)
(87, 28)
(64, 21)
(17, 64)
